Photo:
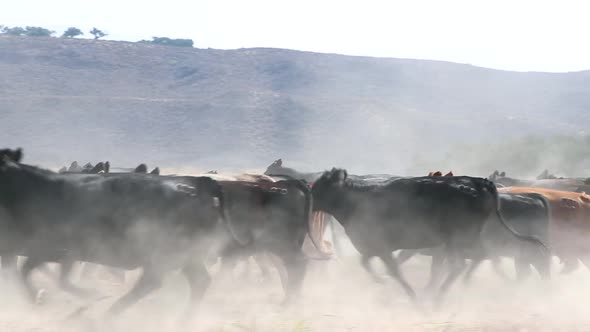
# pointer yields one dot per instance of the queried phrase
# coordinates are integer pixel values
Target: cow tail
(527, 238)
(308, 215)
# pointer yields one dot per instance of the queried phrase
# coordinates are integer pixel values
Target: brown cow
(569, 229)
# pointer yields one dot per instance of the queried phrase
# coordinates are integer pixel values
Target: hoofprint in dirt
(337, 296)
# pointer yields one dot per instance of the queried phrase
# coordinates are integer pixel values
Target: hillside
(65, 99)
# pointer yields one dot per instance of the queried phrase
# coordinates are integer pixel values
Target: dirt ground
(337, 296)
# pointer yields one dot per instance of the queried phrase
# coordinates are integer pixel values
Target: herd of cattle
(160, 223)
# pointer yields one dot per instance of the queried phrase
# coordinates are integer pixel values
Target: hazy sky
(505, 34)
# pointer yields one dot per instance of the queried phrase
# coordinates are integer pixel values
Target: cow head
(10, 157)
(325, 189)
(98, 168)
(142, 168)
(14, 156)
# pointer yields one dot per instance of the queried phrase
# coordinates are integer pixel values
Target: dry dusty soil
(337, 296)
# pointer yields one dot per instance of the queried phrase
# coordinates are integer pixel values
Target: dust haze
(337, 296)
(189, 111)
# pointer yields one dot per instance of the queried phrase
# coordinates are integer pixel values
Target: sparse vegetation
(72, 32)
(14, 31)
(38, 32)
(28, 31)
(169, 41)
(97, 33)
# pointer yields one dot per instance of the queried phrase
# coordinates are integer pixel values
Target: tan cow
(569, 230)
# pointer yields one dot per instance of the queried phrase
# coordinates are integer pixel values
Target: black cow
(412, 213)
(526, 213)
(126, 221)
(89, 269)
(273, 218)
(278, 171)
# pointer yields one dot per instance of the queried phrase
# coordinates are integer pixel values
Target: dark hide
(142, 168)
(528, 214)
(126, 221)
(412, 213)
(271, 217)
(279, 172)
(11, 155)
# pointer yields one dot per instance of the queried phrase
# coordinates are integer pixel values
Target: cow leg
(65, 283)
(30, 264)
(396, 273)
(456, 265)
(280, 266)
(88, 270)
(149, 281)
(227, 265)
(478, 256)
(496, 261)
(366, 263)
(264, 263)
(585, 259)
(570, 264)
(199, 280)
(436, 272)
(542, 264)
(404, 255)
(9, 269)
(119, 274)
(296, 265)
(523, 268)
(475, 263)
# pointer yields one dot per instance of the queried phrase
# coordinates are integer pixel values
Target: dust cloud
(337, 296)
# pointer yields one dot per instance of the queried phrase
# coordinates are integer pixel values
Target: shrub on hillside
(14, 31)
(72, 32)
(28, 31)
(169, 41)
(97, 33)
(38, 32)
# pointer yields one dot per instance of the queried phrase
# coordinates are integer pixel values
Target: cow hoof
(40, 297)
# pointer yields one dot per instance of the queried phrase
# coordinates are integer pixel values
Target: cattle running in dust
(160, 223)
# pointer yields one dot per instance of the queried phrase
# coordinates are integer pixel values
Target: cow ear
(18, 155)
